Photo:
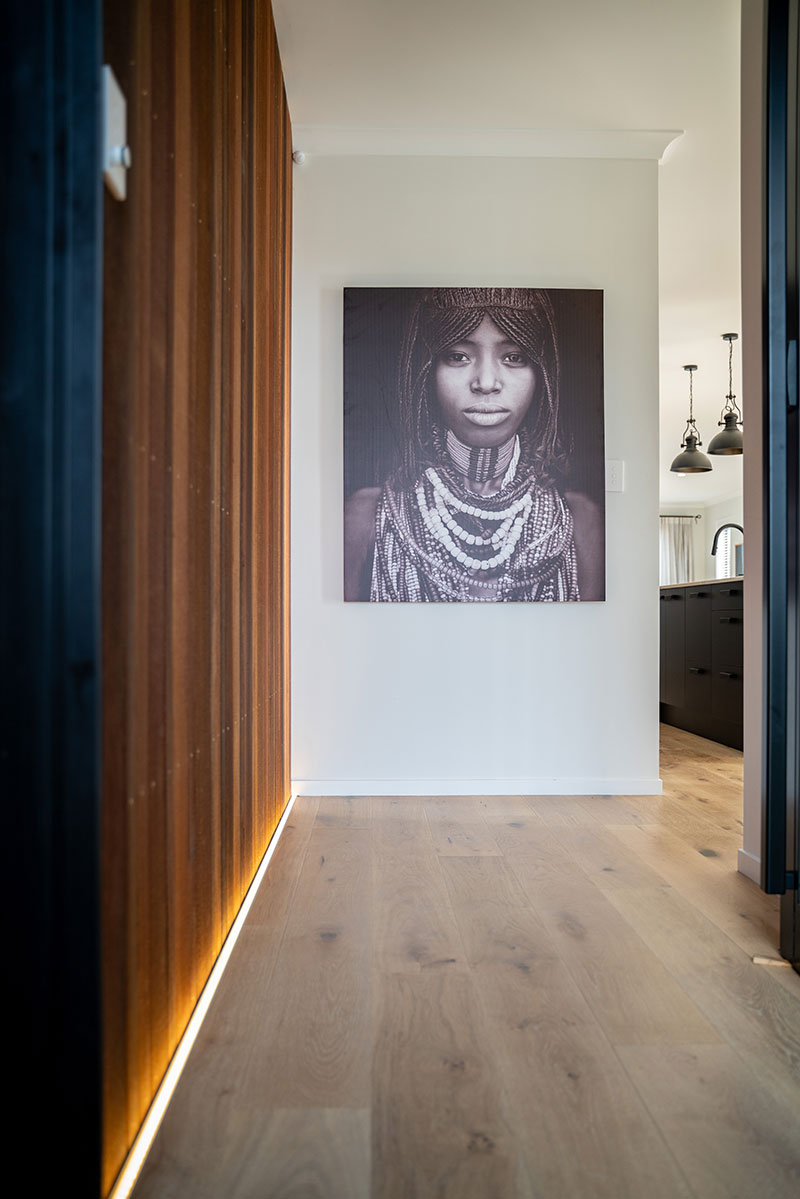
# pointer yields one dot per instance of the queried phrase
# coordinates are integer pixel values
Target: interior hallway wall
(195, 508)
(474, 698)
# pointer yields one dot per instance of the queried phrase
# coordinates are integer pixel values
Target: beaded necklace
(480, 465)
(439, 541)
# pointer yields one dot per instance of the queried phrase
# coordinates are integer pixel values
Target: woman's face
(484, 385)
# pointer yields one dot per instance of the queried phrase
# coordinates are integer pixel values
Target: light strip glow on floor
(155, 1113)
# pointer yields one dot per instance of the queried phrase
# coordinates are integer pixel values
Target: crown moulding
(358, 141)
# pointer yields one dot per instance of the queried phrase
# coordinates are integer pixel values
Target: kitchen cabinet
(702, 659)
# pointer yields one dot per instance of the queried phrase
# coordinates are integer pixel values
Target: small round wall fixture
(729, 441)
(690, 461)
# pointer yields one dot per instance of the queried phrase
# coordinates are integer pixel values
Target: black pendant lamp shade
(690, 461)
(729, 441)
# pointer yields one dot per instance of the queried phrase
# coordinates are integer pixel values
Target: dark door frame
(50, 489)
(781, 473)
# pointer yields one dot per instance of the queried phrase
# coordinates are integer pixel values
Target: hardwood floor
(525, 997)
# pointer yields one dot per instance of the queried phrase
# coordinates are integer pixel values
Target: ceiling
(417, 68)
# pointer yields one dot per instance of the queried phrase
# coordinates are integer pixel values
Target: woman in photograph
(476, 511)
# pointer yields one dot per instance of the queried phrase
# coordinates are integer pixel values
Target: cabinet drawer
(731, 595)
(726, 695)
(698, 688)
(673, 608)
(698, 627)
(727, 629)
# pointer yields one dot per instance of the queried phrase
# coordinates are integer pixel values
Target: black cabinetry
(702, 657)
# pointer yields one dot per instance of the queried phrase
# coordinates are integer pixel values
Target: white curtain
(676, 546)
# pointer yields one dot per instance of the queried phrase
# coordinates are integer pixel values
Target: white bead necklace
(439, 531)
(463, 534)
(471, 509)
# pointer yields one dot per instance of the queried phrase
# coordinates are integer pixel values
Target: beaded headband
(485, 297)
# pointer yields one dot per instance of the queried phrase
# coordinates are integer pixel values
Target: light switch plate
(615, 475)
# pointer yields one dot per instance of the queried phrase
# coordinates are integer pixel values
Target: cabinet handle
(696, 670)
(700, 594)
(729, 620)
(676, 597)
(727, 674)
(730, 591)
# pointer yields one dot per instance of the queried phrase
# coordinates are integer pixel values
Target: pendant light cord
(730, 398)
(691, 427)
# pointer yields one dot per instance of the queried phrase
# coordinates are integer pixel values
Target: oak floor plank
(272, 1154)
(315, 1052)
(676, 813)
(605, 858)
(458, 827)
(537, 846)
(297, 1153)
(496, 920)
(712, 883)
(677, 743)
(274, 897)
(527, 835)
(731, 1137)
(630, 992)
(561, 809)
(415, 928)
(614, 809)
(756, 1014)
(439, 1126)
(507, 810)
(401, 825)
(708, 792)
(345, 811)
(581, 1124)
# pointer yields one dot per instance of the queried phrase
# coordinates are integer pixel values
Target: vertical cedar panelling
(195, 537)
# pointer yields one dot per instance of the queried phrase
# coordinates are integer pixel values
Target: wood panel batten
(195, 517)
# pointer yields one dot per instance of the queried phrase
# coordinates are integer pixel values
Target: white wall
(460, 699)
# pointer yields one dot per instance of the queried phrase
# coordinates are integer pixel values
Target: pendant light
(729, 441)
(690, 461)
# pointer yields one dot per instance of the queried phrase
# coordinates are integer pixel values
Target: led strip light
(155, 1113)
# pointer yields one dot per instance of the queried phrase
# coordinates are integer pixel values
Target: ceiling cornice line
(424, 141)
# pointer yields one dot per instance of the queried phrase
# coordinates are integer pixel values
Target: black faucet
(729, 525)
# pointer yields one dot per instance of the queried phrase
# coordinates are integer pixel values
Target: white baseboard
(749, 865)
(466, 787)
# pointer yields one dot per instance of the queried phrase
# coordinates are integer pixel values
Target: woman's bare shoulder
(359, 537)
(362, 504)
(589, 533)
(584, 511)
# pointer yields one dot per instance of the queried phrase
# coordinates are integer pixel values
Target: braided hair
(445, 316)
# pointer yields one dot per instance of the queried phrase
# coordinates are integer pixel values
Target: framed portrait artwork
(473, 445)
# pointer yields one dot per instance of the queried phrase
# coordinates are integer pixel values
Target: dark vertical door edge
(781, 774)
(50, 404)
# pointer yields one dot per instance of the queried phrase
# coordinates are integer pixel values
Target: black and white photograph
(473, 445)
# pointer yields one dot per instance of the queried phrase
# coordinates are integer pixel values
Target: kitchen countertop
(702, 583)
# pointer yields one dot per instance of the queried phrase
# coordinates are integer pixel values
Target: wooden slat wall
(195, 520)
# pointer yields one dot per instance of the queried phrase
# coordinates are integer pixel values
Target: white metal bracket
(116, 151)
